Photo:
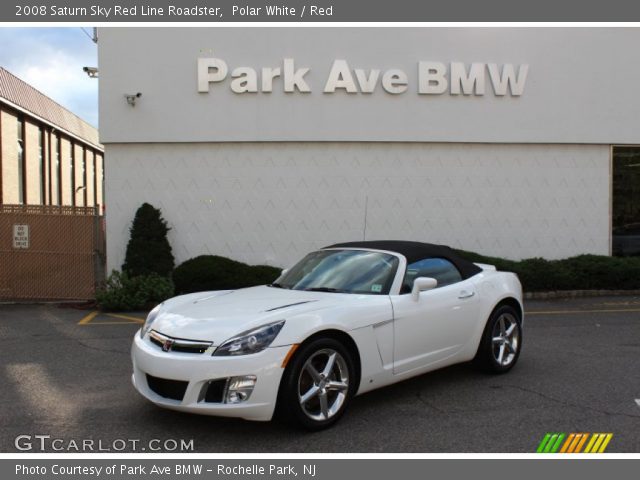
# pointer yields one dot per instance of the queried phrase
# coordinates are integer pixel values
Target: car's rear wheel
(318, 384)
(501, 342)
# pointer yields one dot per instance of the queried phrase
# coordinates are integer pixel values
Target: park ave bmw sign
(433, 78)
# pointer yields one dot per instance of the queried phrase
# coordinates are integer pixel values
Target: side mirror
(422, 284)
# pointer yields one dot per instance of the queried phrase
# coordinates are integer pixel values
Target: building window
(82, 188)
(72, 174)
(58, 189)
(43, 167)
(95, 180)
(21, 192)
(626, 201)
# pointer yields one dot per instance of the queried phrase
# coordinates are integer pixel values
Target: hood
(218, 316)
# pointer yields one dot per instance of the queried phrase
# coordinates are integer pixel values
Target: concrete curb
(578, 294)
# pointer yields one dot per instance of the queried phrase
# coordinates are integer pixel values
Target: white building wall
(273, 202)
(581, 86)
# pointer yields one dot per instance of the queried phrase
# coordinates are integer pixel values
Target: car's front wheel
(501, 341)
(318, 384)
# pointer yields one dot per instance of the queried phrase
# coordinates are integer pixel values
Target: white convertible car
(346, 319)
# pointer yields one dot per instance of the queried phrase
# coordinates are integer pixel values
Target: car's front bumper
(199, 369)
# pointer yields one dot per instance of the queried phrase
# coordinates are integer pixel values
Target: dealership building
(261, 144)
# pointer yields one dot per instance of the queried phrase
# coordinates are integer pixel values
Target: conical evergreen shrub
(148, 250)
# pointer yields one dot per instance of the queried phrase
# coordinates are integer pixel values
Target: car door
(438, 324)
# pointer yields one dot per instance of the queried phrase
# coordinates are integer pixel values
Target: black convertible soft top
(414, 251)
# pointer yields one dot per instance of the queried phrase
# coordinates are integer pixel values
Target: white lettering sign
(434, 78)
(21, 236)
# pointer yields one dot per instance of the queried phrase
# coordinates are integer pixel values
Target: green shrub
(263, 274)
(211, 272)
(604, 273)
(122, 292)
(584, 272)
(148, 250)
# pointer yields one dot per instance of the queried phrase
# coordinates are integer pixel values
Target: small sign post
(21, 236)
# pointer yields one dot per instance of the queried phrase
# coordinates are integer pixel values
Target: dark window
(42, 167)
(21, 180)
(72, 174)
(82, 188)
(95, 180)
(626, 201)
(58, 193)
(442, 270)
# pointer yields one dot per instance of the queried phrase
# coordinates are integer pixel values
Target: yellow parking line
(112, 323)
(87, 318)
(126, 317)
(560, 312)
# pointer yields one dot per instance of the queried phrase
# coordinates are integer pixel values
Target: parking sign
(21, 236)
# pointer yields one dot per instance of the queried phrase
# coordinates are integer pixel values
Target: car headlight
(252, 341)
(153, 314)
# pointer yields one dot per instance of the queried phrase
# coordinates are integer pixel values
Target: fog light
(239, 389)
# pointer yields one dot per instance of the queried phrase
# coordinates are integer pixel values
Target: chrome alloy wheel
(505, 339)
(323, 384)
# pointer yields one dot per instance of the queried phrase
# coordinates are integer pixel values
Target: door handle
(466, 294)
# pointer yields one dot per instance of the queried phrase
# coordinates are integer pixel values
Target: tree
(148, 250)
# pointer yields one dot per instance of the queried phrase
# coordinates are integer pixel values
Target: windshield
(342, 271)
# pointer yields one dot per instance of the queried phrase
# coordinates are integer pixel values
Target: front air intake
(173, 389)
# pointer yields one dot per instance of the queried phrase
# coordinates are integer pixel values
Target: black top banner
(223, 11)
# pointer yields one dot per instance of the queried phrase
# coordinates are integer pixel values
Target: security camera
(92, 72)
(132, 97)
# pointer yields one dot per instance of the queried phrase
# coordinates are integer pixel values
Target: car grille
(171, 344)
(173, 389)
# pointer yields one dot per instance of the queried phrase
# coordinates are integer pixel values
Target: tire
(328, 389)
(501, 341)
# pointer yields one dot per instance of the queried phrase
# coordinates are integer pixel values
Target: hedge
(211, 272)
(584, 272)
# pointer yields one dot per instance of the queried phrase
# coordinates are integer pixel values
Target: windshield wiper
(323, 289)
(277, 285)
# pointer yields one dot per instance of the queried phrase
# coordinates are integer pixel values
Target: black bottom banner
(321, 469)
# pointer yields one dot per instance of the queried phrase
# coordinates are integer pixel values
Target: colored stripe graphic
(574, 442)
(543, 443)
(607, 439)
(582, 441)
(598, 443)
(550, 443)
(566, 445)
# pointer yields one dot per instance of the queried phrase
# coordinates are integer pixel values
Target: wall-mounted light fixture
(132, 97)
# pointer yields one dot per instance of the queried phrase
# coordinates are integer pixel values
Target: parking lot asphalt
(66, 373)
